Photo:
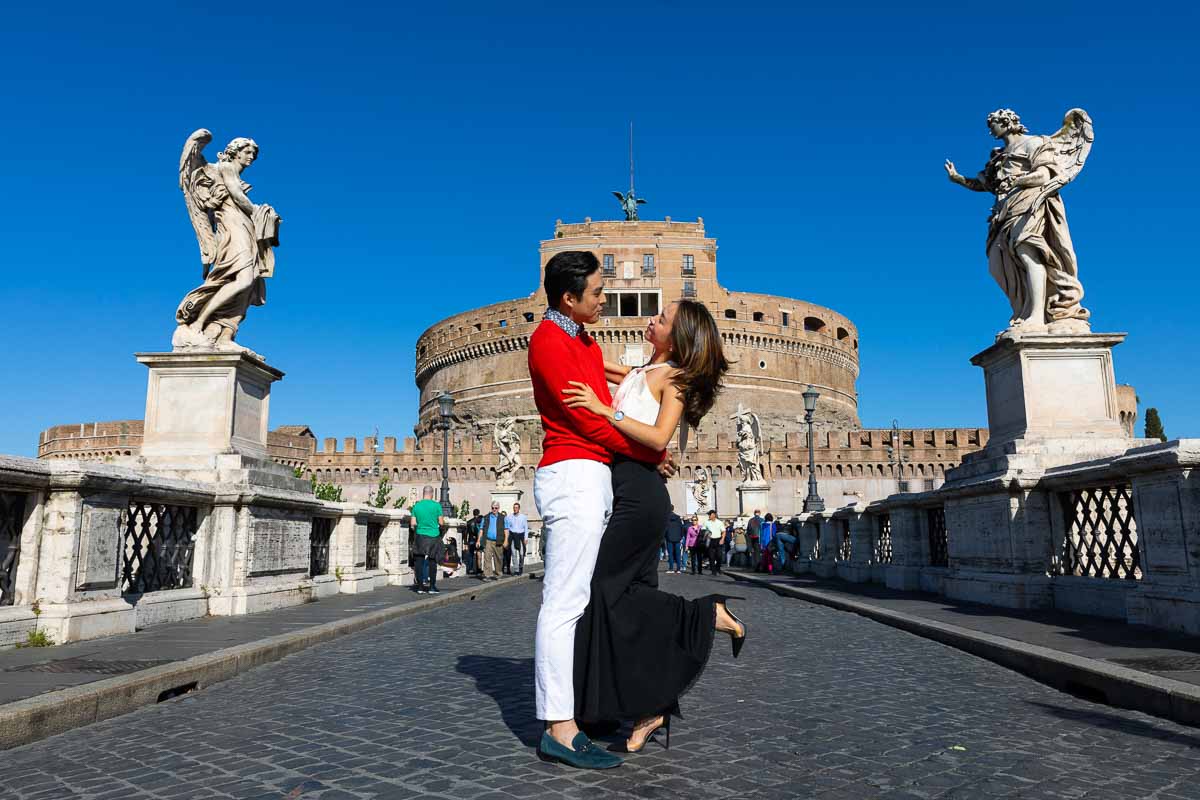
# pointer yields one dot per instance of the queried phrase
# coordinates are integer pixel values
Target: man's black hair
(567, 272)
(475, 512)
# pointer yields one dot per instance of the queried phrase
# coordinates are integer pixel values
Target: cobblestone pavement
(440, 705)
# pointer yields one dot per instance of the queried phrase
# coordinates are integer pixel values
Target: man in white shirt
(517, 525)
(714, 529)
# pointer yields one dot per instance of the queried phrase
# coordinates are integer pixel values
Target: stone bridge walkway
(440, 705)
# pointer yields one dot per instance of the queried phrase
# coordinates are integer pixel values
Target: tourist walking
(785, 542)
(573, 491)
(638, 649)
(517, 525)
(493, 538)
(427, 544)
(714, 531)
(471, 543)
(696, 541)
(754, 538)
(767, 540)
(674, 540)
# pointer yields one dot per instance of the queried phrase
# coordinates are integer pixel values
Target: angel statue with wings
(236, 239)
(508, 445)
(1029, 247)
(749, 444)
(700, 489)
(629, 204)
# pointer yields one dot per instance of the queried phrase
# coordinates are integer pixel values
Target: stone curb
(35, 718)
(1088, 678)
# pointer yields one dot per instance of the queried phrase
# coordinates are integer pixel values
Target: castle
(779, 345)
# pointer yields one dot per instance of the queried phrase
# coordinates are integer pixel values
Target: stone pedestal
(1051, 400)
(207, 419)
(506, 496)
(201, 404)
(752, 496)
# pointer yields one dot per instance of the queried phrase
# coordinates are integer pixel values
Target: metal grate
(846, 547)
(883, 540)
(374, 532)
(1101, 538)
(939, 538)
(80, 664)
(160, 541)
(318, 560)
(12, 518)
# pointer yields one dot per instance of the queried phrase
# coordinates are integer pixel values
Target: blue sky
(418, 154)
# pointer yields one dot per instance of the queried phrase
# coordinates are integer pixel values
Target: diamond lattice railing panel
(374, 533)
(883, 542)
(1101, 538)
(939, 538)
(159, 546)
(12, 518)
(322, 530)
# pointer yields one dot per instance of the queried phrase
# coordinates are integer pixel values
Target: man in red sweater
(573, 492)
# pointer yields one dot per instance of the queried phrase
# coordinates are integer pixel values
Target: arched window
(842, 333)
(730, 313)
(758, 316)
(814, 324)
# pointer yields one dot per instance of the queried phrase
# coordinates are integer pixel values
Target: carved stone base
(506, 497)
(752, 496)
(1051, 400)
(207, 403)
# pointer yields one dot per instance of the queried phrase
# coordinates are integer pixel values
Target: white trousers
(574, 500)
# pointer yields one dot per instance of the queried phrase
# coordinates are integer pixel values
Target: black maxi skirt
(637, 649)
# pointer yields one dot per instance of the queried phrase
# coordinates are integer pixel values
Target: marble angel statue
(236, 240)
(749, 444)
(508, 445)
(700, 489)
(1029, 247)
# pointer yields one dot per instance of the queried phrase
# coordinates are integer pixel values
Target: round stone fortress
(778, 345)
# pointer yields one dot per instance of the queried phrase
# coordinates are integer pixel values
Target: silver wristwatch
(618, 416)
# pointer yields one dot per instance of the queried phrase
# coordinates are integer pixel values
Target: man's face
(586, 310)
(495, 508)
(516, 508)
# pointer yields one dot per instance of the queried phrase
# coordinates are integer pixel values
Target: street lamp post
(896, 456)
(445, 408)
(813, 502)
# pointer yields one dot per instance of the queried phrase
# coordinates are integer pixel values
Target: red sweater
(555, 358)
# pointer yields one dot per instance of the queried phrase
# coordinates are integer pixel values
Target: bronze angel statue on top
(1029, 247)
(236, 239)
(629, 204)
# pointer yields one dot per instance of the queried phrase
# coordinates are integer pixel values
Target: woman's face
(658, 330)
(245, 157)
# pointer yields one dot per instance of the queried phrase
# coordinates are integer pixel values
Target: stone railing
(90, 550)
(1116, 537)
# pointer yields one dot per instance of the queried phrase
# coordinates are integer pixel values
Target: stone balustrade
(90, 549)
(1116, 537)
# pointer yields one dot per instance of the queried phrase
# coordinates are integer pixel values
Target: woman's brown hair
(696, 344)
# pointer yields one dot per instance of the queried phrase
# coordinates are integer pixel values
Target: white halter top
(634, 397)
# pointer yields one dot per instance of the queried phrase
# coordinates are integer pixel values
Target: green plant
(326, 491)
(464, 511)
(337, 573)
(382, 492)
(1154, 426)
(401, 503)
(37, 638)
(298, 472)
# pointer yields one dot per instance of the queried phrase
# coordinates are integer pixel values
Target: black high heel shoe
(623, 747)
(740, 640)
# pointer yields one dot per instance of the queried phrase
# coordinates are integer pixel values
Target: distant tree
(297, 472)
(464, 511)
(382, 492)
(326, 491)
(1154, 426)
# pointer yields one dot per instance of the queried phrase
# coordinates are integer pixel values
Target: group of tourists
(495, 543)
(707, 542)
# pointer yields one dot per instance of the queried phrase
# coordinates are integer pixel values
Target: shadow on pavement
(1124, 724)
(508, 681)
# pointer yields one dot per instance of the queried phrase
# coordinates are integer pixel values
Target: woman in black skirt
(638, 649)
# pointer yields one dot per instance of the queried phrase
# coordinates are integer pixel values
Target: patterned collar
(568, 325)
